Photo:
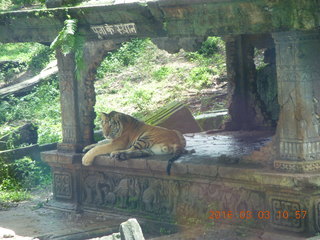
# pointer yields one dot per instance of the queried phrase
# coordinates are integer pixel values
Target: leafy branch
(68, 40)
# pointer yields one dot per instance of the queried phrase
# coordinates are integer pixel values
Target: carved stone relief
(62, 185)
(284, 214)
(166, 197)
(298, 74)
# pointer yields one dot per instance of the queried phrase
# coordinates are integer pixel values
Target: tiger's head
(111, 124)
(115, 123)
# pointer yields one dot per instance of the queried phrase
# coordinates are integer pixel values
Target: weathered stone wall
(165, 18)
(254, 197)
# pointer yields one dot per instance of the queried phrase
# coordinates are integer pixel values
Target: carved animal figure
(92, 189)
(150, 196)
(126, 189)
(132, 138)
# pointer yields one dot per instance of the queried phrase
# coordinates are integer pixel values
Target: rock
(174, 116)
(25, 134)
(213, 120)
(114, 236)
(131, 230)
(6, 233)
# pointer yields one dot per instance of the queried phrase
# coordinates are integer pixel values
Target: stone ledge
(57, 157)
(199, 169)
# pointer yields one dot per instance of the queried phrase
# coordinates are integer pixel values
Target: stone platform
(229, 179)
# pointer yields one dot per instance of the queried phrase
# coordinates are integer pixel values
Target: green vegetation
(21, 52)
(200, 77)
(19, 177)
(42, 106)
(161, 73)
(68, 40)
(20, 57)
(139, 78)
(66, 37)
(125, 56)
(7, 5)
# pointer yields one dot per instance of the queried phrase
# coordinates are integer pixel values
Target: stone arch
(78, 95)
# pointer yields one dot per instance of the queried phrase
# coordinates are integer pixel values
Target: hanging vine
(68, 40)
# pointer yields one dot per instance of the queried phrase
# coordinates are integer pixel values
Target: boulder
(174, 116)
(25, 134)
(131, 230)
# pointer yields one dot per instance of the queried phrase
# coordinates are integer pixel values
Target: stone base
(201, 189)
(297, 167)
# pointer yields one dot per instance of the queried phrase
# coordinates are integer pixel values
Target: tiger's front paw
(87, 148)
(86, 160)
(120, 156)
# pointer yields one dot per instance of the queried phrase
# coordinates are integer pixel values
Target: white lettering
(109, 30)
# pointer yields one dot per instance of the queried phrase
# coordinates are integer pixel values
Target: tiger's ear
(112, 114)
(104, 116)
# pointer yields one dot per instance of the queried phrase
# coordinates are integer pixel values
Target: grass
(14, 196)
(22, 52)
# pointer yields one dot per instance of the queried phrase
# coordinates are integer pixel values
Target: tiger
(132, 138)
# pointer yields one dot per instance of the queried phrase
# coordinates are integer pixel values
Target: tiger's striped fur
(132, 138)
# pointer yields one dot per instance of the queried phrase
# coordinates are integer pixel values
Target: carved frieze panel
(297, 167)
(181, 199)
(62, 185)
(287, 214)
(102, 189)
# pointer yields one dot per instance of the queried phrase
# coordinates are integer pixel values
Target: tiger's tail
(176, 156)
(170, 161)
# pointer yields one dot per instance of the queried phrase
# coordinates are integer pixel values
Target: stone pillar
(298, 73)
(243, 108)
(78, 95)
(72, 137)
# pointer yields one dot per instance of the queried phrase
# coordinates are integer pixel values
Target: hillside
(153, 78)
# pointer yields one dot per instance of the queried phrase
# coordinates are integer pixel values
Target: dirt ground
(32, 219)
